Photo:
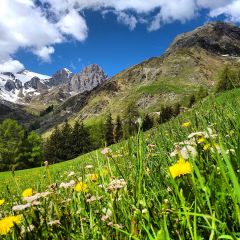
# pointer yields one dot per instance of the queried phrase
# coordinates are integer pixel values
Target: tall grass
(148, 203)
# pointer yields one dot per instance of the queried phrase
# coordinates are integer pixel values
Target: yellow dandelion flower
(180, 168)
(93, 177)
(27, 192)
(206, 147)
(81, 187)
(2, 201)
(186, 124)
(8, 222)
(201, 140)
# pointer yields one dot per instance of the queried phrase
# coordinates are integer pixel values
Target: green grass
(203, 204)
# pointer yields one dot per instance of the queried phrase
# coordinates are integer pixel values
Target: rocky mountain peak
(216, 37)
(62, 76)
(89, 78)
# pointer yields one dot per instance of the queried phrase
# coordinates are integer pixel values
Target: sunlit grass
(131, 191)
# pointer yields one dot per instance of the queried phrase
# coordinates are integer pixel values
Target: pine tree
(166, 114)
(228, 80)
(108, 125)
(66, 150)
(176, 109)
(53, 146)
(147, 122)
(80, 139)
(131, 117)
(192, 100)
(118, 130)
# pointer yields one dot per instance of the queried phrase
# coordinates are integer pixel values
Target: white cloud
(45, 53)
(11, 66)
(232, 11)
(25, 25)
(128, 20)
(75, 25)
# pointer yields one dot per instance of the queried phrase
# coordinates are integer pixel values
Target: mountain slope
(185, 67)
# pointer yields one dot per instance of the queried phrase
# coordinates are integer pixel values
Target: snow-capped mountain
(15, 87)
(26, 86)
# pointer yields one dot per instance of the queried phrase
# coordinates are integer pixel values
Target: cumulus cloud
(11, 66)
(39, 25)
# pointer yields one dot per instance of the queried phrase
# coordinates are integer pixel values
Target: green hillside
(196, 198)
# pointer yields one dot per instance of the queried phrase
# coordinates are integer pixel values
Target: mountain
(192, 61)
(33, 89)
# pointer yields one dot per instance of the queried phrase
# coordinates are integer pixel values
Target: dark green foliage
(131, 118)
(147, 123)
(108, 127)
(166, 114)
(118, 130)
(53, 146)
(202, 93)
(176, 109)
(192, 100)
(34, 125)
(47, 110)
(229, 79)
(80, 140)
(18, 148)
(67, 143)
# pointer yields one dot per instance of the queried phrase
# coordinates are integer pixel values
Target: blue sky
(111, 45)
(116, 34)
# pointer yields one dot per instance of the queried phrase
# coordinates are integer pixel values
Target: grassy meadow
(177, 181)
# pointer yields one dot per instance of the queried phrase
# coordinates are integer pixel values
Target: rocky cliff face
(91, 77)
(218, 37)
(63, 76)
(27, 87)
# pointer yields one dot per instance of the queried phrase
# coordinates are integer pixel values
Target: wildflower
(180, 168)
(188, 150)
(28, 229)
(186, 124)
(230, 151)
(93, 177)
(88, 166)
(201, 140)
(71, 174)
(67, 185)
(21, 207)
(93, 199)
(27, 192)
(106, 151)
(2, 201)
(54, 222)
(8, 222)
(81, 187)
(36, 196)
(116, 184)
(206, 147)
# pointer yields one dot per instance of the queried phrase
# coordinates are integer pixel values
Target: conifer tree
(108, 125)
(176, 109)
(147, 122)
(66, 142)
(131, 117)
(192, 100)
(166, 114)
(80, 139)
(118, 130)
(53, 146)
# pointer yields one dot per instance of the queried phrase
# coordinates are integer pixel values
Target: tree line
(19, 148)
